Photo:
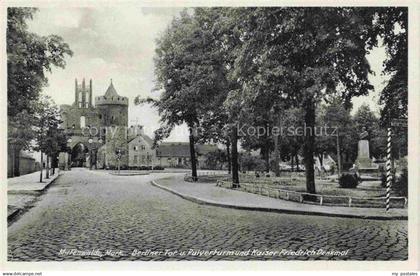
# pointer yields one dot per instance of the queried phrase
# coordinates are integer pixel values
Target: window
(135, 159)
(143, 158)
(135, 148)
(100, 116)
(143, 147)
(82, 122)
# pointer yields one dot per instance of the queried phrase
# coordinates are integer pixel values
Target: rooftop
(182, 149)
(111, 92)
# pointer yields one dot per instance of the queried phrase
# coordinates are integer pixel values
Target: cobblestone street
(126, 218)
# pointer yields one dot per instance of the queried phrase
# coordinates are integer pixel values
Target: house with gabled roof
(140, 148)
(177, 154)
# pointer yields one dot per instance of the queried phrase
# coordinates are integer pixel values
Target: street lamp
(69, 161)
(90, 152)
(100, 141)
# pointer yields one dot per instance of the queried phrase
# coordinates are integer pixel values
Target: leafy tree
(29, 57)
(252, 163)
(291, 142)
(391, 25)
(305, 55)
(50, 139)
(333, 119)
(190, 75)
(214, 160)
(365, 118)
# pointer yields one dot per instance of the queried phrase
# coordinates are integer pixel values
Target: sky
(119, 42)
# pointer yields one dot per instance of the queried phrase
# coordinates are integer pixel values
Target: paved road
(91, 215)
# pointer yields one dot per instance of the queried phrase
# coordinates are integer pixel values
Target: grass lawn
(298, 184)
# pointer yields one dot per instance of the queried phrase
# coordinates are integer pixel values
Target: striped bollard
(388, 169)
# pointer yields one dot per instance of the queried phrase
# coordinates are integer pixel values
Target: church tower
(113, 110)
(83, 94)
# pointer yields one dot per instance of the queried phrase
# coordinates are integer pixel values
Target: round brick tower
(113, 110)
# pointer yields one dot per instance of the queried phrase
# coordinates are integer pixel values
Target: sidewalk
(208, 193)
(22, 191)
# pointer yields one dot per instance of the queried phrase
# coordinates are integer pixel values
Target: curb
(19, 211)
(14, 214)
(272, 210)
(128, 174)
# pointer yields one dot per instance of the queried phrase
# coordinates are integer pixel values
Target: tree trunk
(192, 156)
(276, 149)
(53, 163)
(16, 161)
(235, 167)
(309, 145)
(228, 157)
(42, 161)
(292, 163)
(47, 168)
(267, 158)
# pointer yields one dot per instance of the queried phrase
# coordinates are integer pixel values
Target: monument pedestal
(363, 162)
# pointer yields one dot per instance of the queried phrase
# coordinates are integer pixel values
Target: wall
(26, 165)
(172, 162)
(116, 139)
(113, 115)
(71, 116)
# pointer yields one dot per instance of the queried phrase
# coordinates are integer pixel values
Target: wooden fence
(328, 200)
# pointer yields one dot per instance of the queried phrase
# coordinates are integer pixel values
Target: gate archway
(78, 155)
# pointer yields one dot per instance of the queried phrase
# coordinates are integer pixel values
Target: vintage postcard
(208, 132)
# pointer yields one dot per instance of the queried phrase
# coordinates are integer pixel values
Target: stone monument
(363, 161)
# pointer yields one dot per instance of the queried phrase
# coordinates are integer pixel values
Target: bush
(400, 180)
(159, 168)
(383, 179)
(347, 166)
(349, 180)
(400, 185)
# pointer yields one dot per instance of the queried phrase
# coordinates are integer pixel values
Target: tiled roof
(111, 92)
(145, 137)
(206, 148)
(182, 149)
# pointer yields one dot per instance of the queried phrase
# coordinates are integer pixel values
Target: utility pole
(388, 169)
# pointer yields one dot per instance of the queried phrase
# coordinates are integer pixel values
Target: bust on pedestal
(363, 160)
